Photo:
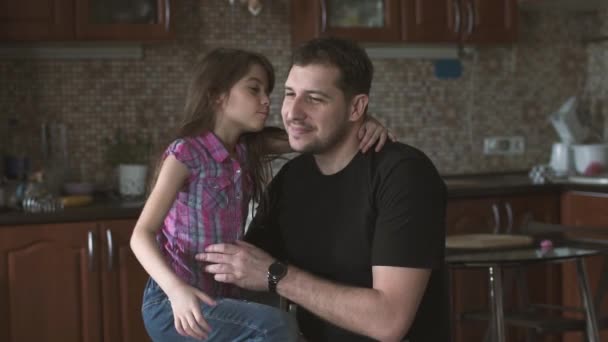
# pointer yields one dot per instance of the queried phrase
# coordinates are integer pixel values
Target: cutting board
(481, 241)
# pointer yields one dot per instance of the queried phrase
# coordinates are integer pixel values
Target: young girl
(206, 179)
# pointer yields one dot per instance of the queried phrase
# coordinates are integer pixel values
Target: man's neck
(337, 158)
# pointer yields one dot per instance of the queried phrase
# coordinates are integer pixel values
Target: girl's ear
(217, 101)
(358, 104)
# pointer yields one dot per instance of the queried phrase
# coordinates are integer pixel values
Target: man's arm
(385, 312)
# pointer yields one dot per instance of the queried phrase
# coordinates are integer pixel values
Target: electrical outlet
(510, 145)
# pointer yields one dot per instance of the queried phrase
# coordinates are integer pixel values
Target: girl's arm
(184, 298)
(371, 132)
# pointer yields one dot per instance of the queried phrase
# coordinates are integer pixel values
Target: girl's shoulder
(188, 150)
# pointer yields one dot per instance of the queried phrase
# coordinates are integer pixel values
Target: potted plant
(129, 153)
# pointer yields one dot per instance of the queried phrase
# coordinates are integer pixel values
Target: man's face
(315, 113)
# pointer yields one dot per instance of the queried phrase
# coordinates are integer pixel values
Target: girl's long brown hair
(213, 76)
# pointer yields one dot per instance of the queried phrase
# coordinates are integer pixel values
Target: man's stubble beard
(320, 146)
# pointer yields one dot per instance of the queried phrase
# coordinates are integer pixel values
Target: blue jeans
(230, 320)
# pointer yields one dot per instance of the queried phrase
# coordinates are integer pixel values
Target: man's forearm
(361, 310)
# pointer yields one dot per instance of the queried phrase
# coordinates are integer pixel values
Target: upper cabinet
(406, 21)
(27, 20)
(82, 20)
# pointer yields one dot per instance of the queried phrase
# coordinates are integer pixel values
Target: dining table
(496, 259)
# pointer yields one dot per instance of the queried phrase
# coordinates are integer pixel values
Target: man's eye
(288, 94)
(314, 99)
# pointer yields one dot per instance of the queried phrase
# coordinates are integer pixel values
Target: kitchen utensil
(590, 159)
(560, 159)
(566, 123)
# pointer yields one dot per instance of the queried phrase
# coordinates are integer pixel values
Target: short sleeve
(411, 203)
(182, 150)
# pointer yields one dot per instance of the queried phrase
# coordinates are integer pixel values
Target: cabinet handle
(167, 14)
(496, 214)
(471, 16)
(509, 211)
(110, 242)
(457, 16)
(91, 250)
(323, 15)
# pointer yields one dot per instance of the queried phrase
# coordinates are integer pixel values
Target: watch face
(277, 269)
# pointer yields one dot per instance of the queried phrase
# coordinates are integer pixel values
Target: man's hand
(241, 264)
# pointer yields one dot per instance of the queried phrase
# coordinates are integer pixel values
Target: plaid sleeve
(186, 154)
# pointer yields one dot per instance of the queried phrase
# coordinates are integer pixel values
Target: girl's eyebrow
(253, 78)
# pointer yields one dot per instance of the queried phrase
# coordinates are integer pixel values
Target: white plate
(481, 241)
(588, 180)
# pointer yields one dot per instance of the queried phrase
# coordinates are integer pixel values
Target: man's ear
(358, 105)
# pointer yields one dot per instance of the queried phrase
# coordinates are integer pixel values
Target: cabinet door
(361, 20)
(123, 284)
(31, 20)
(542, 281)
(431, 21)
(469, 286)
(49, 283)
(489, 22)
(589, 210)
(140, 20)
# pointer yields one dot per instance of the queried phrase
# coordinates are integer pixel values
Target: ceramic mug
(560, 158)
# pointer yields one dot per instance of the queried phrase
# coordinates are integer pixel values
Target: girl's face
(245, 108)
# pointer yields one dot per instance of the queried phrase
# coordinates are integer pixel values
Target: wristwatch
(276, 271)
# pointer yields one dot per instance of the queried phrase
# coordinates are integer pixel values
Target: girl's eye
(255, 90)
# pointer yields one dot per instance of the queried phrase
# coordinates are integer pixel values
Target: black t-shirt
(384, 208)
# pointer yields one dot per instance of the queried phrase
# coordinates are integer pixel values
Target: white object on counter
(566, 123)
(590, 159)
(132, 179)
(560, 159)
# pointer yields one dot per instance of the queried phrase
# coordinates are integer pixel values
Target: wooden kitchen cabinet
(406, 21)
(362, 20)
(30, 20)
(85, 20)
(59, 285)
(469, 287)
(122, 284)
(141, 20)
(590, 210)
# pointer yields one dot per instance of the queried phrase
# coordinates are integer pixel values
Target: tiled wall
(503, 90)
(596, 88)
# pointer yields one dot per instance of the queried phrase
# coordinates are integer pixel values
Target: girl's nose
(265, 100)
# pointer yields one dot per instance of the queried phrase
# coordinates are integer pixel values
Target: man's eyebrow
(311, 92)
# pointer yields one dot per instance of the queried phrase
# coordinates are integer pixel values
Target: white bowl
(590, 159)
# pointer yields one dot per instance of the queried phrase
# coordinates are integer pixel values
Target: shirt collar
(218, 150)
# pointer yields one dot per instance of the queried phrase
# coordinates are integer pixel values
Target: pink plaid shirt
(211, 208)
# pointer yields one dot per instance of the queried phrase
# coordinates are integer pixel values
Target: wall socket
(510, 145)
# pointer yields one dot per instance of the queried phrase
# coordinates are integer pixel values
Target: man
(355, 240)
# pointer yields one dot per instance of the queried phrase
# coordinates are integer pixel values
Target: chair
(541, 319)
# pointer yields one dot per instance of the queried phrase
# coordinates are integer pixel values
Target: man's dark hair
(356, 69)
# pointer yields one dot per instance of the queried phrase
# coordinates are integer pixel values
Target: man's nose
(296, 109)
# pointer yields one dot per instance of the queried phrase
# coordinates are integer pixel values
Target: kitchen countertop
(458, 187)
